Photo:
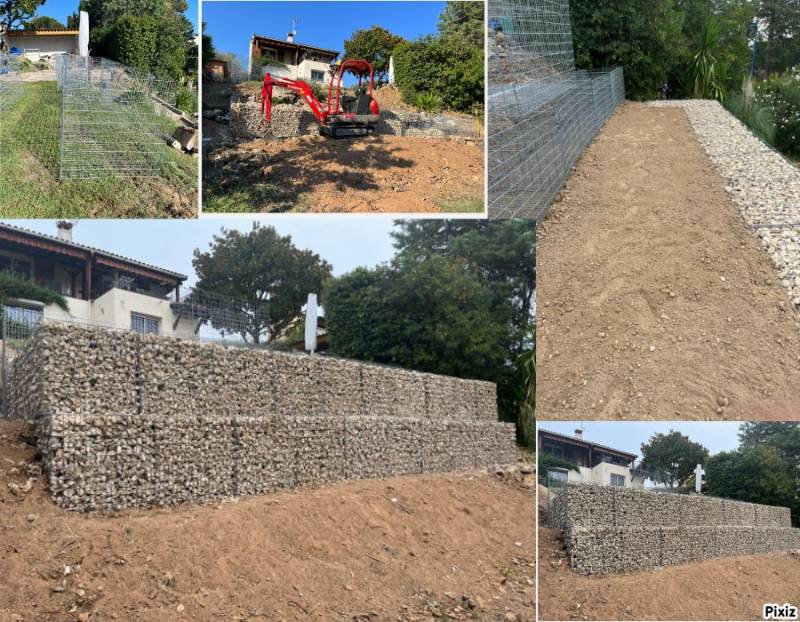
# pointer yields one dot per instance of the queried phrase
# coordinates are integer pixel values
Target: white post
(391, 70)
(83, 36)
(312, 313)
(698, 479)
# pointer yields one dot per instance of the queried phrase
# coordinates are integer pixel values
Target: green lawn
(29, 170)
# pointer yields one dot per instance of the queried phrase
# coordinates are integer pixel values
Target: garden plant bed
(29, 186)
(455, 546)
(658, 300)
(389, 174)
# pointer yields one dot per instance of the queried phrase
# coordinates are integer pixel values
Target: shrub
(447, 68)
(133, 40)
(781, 95)
(429, 102)
(749, 109)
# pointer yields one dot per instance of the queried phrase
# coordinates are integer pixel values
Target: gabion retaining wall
(129, 420)
(604, 550)
(609, 529)
(289, 121)
(77, 370)
(109, 462)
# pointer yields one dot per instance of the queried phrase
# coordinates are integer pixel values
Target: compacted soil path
(655, 299)
(454, 546)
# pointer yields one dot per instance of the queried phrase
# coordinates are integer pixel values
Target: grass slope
(29, 186)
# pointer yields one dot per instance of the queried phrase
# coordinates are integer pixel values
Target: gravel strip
(763, 184)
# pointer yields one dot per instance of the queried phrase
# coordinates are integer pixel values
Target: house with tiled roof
(35, 44)
(101, 288)
(596, 463)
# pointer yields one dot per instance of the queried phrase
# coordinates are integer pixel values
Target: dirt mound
(389, 98)
(412, 548)
(731, 588)
(657, 301)
(316, 174)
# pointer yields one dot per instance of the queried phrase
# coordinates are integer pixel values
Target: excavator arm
(295, 86)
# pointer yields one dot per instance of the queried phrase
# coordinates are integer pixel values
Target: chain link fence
(543, 113)
(10, 81)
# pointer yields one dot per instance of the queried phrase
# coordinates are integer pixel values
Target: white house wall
(307, 66)
(35, 46)
(113, 310)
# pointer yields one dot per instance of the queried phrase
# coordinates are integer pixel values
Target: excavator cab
(351, 115)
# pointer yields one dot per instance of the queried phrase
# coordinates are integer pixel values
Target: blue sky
(345, 242)
(715, 436)
(60, 9)
(324, 24)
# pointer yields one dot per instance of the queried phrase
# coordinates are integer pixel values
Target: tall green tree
(14, 13)
(432, 316)
(464, 20)
(260, 269)
(44, 22)
(374, 45)
(781, 26)
(674, 454)
(757, 474)
(646, 38)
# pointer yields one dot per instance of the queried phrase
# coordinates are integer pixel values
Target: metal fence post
(63, 120)
(5, 362)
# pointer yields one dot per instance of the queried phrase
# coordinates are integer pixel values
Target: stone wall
(128, 420)
(77, 370)
(609, 529)
(109, 462)
(289, 120)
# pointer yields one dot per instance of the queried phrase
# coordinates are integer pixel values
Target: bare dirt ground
(655, 299)
(319, 174)
(454, 547)
(731, 588)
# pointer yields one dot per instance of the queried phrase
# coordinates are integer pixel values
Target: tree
(208, 46)
(14, 13)
(374, 45)
(155, 32)
(757, 474)
(465, 20)
(446, 68)
(674, 454)
(781, 20)
(646, 38)
(260, 268)
(501, 252)
(431, 316)
(44, 23)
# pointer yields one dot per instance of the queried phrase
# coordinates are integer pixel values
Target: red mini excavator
(345, 114)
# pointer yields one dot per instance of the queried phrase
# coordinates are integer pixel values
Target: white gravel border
(762, 183)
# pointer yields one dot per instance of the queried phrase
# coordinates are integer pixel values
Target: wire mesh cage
(10, 81)
(542, 112)
(113, 119)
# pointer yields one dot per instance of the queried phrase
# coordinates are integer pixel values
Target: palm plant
(703, 66)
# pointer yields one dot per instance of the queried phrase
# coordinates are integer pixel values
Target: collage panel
(340, 107)
(98, 110)
(342, 445)
(631, 514)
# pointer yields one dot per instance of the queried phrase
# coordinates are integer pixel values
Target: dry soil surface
(655, 299)
(731, 588)
(372, 174)
(413, 548)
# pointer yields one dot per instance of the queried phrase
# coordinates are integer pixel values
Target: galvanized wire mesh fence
(10, 81)
(542, 112)
(112, 119)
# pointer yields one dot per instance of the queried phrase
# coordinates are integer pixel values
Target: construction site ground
(29, 186)
(381, 174)
(656, 299)
(453, 546)
(729, 588)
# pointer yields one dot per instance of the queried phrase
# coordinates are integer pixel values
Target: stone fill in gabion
(128, 420)
(110, 462)
(80, 370)
(763, 184)
(609, 529)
